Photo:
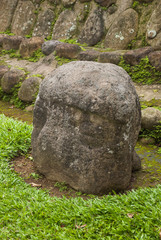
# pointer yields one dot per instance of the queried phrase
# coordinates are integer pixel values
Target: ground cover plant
(28, 213)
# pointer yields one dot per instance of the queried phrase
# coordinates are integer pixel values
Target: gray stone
(111, 57)
(6, 12)
(86, 124)
(93, 29)
(49, 46)
(68, 3)
(11, 78)
(43, 26)
(67, 50)
(65, 26)
(150, 117)
(89, 55)
(153, 34)
(28, 46)
(24, 18)
(133, 57)
(122, 31)
(155, 59)
(136, 162)
(3, 70)
(105, 3)
(12, 42)
(29, 89)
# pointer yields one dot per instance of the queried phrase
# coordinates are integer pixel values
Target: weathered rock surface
(11, 78)
(93, 28)
(150, 117)
(105, 3)
(43, 26)
(153, 34)
(49, 46)
(67, 3)
(6, 12)
(122, 31)
(111, 57)
(133, 57)
(67, 50)
(12, 42)
(28, 46)
(29, 89)
(66, 25)
(89, 55)
(155, 59)
(24, 18)
(86, 124)
(3, 70)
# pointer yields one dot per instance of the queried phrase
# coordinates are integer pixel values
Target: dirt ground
(148, 176)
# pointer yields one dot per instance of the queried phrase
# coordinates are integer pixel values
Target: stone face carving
(86, 124)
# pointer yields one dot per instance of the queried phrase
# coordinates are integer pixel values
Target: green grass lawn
(28, 213)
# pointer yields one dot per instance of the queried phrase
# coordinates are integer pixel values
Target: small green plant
(36, 55)
(143, 72)
(135, 4)
(154, 133)
(62, 60)
(12, 53)
(35, 176)
(61, 185)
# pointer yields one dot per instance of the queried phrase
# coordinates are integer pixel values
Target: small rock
(29, 89)
(89, 55)
(49, 46)
(111, 57)
(133, 57)
(12, 42)
(3, 70)
(155, 59)
(147, 141)
(11, 78)
(29, 108)
(28, 46)
(150, 117)
(67, 50)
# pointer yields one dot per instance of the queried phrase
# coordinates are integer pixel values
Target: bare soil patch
(148, 176)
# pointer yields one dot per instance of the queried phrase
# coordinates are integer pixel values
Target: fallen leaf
(35, 185)
(130, 215)
(82, 226)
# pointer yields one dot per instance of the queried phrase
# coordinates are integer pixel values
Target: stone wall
(117, 24)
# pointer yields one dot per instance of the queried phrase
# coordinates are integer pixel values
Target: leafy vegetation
(36, 55)
(61, 60)
(154, 133)
(143, 72)
(13, 97)
(28, 213)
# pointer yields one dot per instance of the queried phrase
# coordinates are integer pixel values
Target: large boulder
(151, 117)
(86, 124)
